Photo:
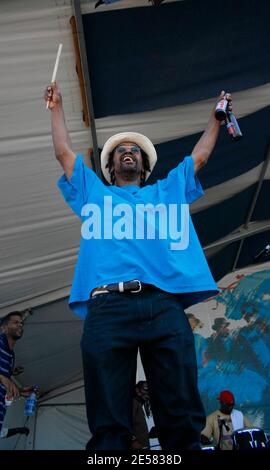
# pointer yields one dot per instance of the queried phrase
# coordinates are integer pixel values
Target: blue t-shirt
(121, 242)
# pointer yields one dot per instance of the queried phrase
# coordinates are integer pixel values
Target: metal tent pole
(87, 83)
(253, 205)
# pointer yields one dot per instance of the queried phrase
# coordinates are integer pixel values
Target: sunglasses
(132, 149)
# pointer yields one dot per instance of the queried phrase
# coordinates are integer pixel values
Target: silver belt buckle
(95, 291)
(139, 288)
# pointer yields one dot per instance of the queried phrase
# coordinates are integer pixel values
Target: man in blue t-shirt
(140, 264)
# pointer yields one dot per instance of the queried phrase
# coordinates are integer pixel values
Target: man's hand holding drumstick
(52, 95)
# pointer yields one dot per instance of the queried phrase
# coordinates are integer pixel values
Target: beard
(129, 171)
(16, 336)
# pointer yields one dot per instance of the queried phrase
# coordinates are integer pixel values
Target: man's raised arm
(207, 141)
(60, 136)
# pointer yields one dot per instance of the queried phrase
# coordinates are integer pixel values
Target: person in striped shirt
(11, 330)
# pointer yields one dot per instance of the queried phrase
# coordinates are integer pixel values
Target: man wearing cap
(223, 422)
(134, 278)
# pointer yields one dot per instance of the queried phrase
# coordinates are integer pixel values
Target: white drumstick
(55, 68)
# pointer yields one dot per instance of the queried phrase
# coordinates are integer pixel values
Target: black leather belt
(134, 287)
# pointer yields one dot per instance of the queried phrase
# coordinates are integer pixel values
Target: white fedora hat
(141, 140)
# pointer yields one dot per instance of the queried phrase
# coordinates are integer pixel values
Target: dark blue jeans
(116, 325)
